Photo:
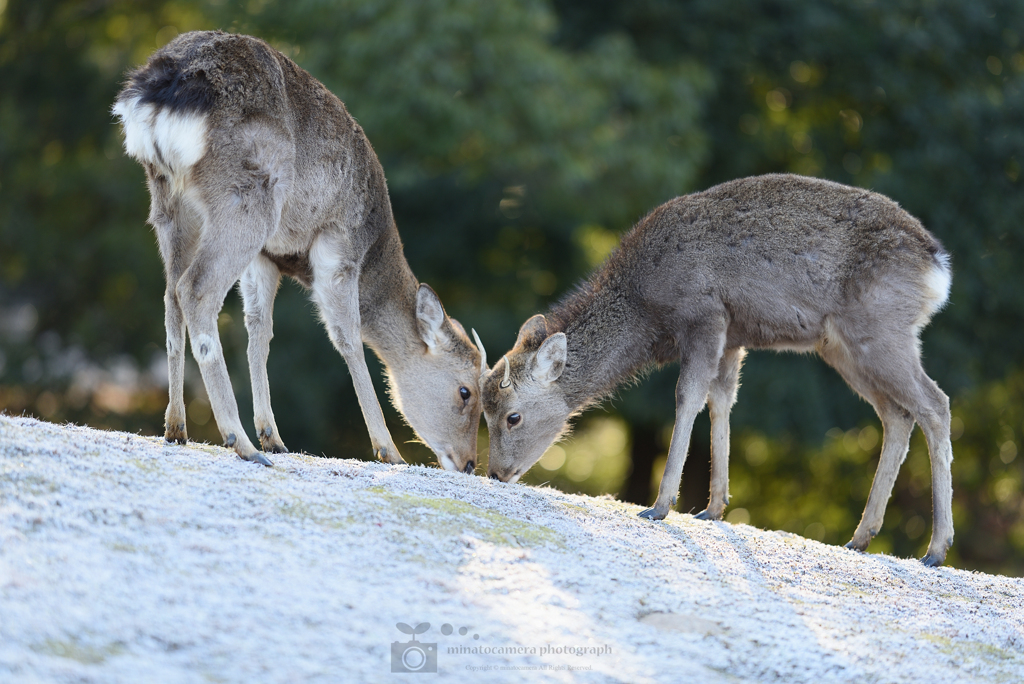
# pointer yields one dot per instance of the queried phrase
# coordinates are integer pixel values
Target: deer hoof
(176, 434)
(653, 513)
(936, 556)
(257, 457)
(855, 545)
(271, 443)
(705, 515)
(389, 454)
(273, 446)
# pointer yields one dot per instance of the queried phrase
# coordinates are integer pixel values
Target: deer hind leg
(176, 236)
(930, 407)
(259, 287)
(921, 398)
(697, 371)
(336, 294)
(891, 377)
(201, 291)
(721, 397)
(241, 201)
(897, 424)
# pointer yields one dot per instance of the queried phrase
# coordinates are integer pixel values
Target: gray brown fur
(256, 170)
(770, 262)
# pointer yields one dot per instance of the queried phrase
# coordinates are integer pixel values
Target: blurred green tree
(77, 271)
(519, 140)
(492, 139)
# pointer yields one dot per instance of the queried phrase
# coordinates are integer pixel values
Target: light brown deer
(771, 262)
(256, 170)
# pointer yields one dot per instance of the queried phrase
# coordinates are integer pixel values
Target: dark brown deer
(771, 262)
(256, 170)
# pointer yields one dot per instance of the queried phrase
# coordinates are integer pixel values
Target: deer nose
(470, 467)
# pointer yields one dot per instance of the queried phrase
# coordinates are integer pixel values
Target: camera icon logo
(413, 656)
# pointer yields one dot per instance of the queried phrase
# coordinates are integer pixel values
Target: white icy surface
(124, 559)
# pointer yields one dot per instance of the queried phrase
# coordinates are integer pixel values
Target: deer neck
(387, 299)
(605, 345)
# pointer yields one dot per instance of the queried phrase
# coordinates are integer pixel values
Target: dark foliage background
(519, 140)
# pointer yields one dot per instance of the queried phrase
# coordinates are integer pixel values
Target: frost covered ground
(123, 559)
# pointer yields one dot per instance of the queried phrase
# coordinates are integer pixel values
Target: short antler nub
(506, 382)
(483, 352)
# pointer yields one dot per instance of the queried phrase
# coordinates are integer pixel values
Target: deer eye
(465, 393)
(513, 419)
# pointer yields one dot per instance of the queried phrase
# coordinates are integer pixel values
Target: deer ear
(533, 332)
(430, 319)
(550, 360)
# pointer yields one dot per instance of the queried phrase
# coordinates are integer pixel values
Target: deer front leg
(336, 293)
(380, 439)
(259, 287)
(721, 398)
(695, 375)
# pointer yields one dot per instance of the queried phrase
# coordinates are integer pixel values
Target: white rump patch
(172, 141)
(936, 286)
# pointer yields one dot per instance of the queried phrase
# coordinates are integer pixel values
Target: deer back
(781, 261)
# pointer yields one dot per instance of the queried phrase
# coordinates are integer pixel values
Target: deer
(778, 261)
(256, 170)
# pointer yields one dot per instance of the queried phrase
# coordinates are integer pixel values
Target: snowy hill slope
(123, 559)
